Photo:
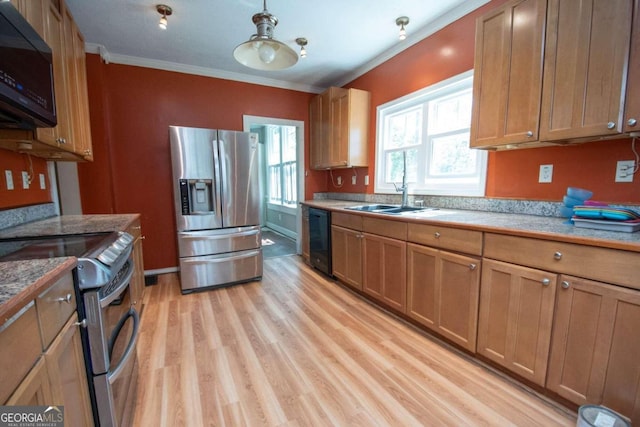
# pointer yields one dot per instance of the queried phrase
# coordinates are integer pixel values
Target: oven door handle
(130, 351)
(116, 293)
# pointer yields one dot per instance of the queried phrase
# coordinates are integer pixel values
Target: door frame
(248, 121)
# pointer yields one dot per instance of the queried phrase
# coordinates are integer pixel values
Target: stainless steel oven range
(110, 320)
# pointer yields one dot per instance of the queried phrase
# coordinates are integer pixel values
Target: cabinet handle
(611, 125)
(565, 284)
(529, 134)
(436, 235)
(557, 256)
(142, 237)
(472, 267)
(546, 282)
(66, 299)
(82, 324)
(632, 122)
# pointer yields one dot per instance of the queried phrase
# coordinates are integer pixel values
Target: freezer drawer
(218, 270)
(220, 241)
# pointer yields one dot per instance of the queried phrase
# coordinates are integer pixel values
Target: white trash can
(599, 416)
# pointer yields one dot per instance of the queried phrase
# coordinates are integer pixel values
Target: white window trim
(448, 187)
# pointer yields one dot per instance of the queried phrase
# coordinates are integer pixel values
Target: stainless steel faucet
(404, 187)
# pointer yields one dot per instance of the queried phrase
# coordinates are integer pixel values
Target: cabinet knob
(472, 267)
(142, 237)
(529, 134)
(436, 235)
(611, 125)
(632, 122)
(66, 299)
(546, 282)
(557, 256)
(565, 284)
(82, 324)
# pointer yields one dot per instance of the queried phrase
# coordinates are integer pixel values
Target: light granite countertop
(550, 228)
(22, 281)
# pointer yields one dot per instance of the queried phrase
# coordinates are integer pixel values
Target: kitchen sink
(388, 209)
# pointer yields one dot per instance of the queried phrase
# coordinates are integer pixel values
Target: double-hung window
(281, 165)
(426, 135)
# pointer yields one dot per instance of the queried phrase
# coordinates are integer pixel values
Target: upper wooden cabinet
(339, 120)
(584, 58)
(70, 139)
(507, 81)
(632, 102)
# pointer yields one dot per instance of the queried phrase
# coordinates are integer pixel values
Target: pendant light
(262, 51)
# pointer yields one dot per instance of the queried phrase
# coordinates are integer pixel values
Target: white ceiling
(346, 37)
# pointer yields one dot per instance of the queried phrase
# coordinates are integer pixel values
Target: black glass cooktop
(76, 245)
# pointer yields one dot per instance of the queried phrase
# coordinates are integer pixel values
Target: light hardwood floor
(296, 349)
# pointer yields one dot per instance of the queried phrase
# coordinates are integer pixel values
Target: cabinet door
(422, 289)
(516, 311)
(507, 81)
(346, 252)
(385, 270)
(594, 354)
(67, 374)
(457, 302)
(339, 143)
(586, 56)
(632, 103)
(35, 389)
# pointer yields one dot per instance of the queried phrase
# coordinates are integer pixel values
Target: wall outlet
(8, 176)
(43, 183)
(339, 180)
(624, 170)
(546, 174)
(353, 180)
(366, 180)
(25, 180)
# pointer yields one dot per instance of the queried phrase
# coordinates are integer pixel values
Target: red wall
(511, 174)
(18, 197)
(131, 110)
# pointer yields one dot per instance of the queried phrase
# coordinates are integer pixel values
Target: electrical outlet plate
(353, 180)
(43, 183)
(339, 180)
(624, 170)
(546, 174)
(366, 180)
(25, 180)
(9, 178)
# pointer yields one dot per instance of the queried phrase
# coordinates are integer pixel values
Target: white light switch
(366, 180)
(43, 183)
(353, 180)
(25, 180)
(546, 174)
(9, 178)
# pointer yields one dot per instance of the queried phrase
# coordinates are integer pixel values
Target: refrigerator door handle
(217, 178)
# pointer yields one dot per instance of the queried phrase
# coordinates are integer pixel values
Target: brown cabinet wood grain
(594, 353)
(585, 67)
(516, 313)
(385, 271)
(632, 101)
(346, 255)
(442, 293)
(507, 83)
(339, 120)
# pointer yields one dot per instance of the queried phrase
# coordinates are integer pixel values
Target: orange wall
(18, 197)
(511, 174)
(131, 110)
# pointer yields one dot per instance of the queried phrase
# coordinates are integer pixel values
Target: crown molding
(115, 58)
(413, 38)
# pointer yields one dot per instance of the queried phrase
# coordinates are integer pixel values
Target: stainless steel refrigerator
(217, 206)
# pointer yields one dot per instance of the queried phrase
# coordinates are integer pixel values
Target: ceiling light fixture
(262, 51)
(302, 42)
(401, 22)
(165, 11)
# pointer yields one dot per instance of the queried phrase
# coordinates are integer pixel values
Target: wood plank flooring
(296, 349)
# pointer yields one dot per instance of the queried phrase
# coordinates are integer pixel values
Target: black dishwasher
(320, 239)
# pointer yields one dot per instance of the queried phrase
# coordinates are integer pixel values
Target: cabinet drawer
(19, 349)
(54, 307)
(455, 239)
(345, 220)
(384, 227)
(604, 264)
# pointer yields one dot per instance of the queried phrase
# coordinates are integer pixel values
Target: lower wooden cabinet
(595, 354)
(516, 314)
(385, 270)
(35, 389)
(137, 280)
(442, 293)
(66, 368)
(346, 255)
